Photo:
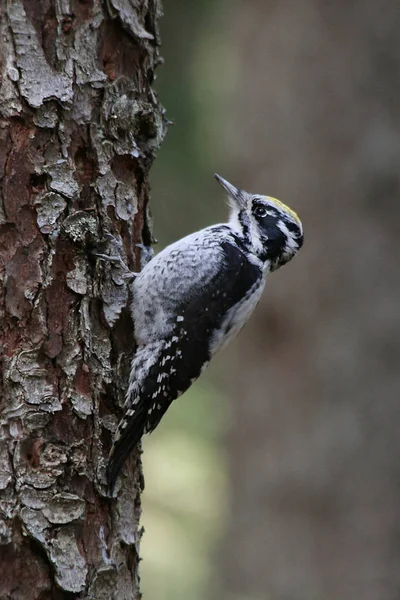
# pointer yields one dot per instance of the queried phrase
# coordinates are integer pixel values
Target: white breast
(237, 317)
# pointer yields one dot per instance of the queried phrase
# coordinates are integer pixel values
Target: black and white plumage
(191, 299)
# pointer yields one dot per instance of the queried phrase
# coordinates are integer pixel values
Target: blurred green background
(184, 503)
(276, 476)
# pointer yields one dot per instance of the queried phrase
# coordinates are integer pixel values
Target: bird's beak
(233, 192)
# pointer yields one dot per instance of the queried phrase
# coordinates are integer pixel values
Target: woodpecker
(191, 299)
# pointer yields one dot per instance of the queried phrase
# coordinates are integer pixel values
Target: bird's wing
(198, 317)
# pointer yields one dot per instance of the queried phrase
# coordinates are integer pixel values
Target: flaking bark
(79, 128)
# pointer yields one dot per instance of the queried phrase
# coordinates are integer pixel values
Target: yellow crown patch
(282, 206)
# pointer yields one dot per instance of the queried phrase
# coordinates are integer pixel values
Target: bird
(192, 299)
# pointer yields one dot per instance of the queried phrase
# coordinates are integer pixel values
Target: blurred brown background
(277, 477)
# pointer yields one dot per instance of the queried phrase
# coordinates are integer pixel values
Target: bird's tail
(146, 402)
(127, 437)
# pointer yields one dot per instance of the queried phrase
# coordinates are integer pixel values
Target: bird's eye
(260, 211)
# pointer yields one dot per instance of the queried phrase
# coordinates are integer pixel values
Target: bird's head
(269, 228)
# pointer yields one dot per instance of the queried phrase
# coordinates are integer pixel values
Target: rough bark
(315, 444)
(79, 128)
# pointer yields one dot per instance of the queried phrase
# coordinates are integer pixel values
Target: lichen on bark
(79, 129)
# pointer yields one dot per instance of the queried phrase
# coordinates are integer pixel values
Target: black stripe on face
(293, 227)
(295, 230)
(274, 244)
(243, 219)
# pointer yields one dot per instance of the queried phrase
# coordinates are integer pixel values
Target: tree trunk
(79, 128)
(315, 443)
